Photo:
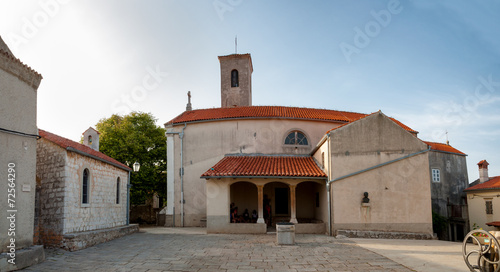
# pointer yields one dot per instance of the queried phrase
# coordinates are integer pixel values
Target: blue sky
(434, 65)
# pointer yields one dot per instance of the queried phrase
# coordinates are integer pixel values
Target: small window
(90, 139)
(118, 190)
(489, 206)
(436, 175)
(296, 138)
(234, 79)
(85, 187)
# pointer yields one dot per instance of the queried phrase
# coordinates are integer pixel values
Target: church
(327, 171)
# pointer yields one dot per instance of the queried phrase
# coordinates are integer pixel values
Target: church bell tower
(236, 80)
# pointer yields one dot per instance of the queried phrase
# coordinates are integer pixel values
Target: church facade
(311, 167)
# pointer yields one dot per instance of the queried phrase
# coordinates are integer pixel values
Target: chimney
(91, 138)
(483, 171)
(188, 106)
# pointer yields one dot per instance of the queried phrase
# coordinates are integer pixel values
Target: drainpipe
(181, 136)
(328, 185)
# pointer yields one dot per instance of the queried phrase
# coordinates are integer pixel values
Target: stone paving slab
(420, 255)
(191, 249)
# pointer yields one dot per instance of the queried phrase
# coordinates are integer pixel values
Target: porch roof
(283, 166)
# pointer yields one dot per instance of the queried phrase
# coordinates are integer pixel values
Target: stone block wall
(81, 240)
(50, 171)
(102, 211)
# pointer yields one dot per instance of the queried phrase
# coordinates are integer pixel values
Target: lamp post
(136, 166)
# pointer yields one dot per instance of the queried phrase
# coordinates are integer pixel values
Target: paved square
(190, 249)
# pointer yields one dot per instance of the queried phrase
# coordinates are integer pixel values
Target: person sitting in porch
(254, 216)
(246, 216)
(234, 216)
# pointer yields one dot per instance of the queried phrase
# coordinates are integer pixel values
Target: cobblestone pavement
(190, 249)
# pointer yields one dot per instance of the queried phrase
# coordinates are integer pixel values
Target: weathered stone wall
(453, 180)
(50, 170)
(102, 211)
(81, 240)
(242, 94)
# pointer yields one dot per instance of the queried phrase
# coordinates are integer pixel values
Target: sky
(433, 65)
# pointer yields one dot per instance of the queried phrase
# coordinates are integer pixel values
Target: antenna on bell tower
(236, 44)
(447, 142)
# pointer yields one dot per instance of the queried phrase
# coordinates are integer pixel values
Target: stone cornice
(20, 70)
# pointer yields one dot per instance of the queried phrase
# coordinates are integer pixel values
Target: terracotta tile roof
(69, 144)
(265, 166)
(443, 147)
(492, 184)
(280, 112)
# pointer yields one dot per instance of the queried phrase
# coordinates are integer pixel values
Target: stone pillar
(293, 204)
(260, 189)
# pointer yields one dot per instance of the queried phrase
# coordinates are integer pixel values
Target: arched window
(85, 186)
(234, 78)
(296, 138)
(118, 190)
(90, 139)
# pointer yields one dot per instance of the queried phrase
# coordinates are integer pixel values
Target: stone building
(310, 166)
(483, 199)
(18, 136)
(449, 178)
(83, 194)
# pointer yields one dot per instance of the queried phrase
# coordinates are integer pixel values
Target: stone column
(260, 189)
(293, 205)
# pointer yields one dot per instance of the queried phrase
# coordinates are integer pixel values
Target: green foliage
(439, 223)
(135, 137)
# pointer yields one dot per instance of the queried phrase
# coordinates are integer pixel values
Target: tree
(136, 137)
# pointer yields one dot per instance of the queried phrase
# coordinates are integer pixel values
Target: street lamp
(136, 166)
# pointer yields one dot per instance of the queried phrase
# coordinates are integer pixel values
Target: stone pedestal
(285, 233)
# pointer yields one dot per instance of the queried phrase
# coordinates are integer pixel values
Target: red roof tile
(67, 143)
(493, 183)
(280, 112)
(265, 166)
(444, 147)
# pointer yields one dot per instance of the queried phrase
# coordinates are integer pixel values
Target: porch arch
(309, 198)
(244, 195)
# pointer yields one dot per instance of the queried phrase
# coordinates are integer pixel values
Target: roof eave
(482, 189)
(448, 152)
(69, 148)
(263, 177)
(171, 124)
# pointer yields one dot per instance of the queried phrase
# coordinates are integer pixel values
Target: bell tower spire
(236, 80)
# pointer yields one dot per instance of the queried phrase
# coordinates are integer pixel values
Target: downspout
(181, 136)
(328, 185)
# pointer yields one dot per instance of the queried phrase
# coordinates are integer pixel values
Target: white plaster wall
(206, 143)
(102, 210)
(17, 112)
(399, 192)
(477, 208)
